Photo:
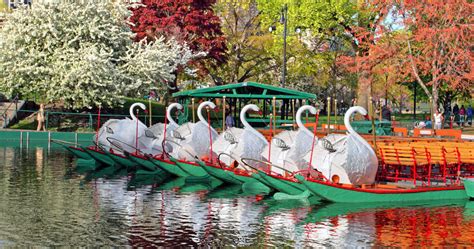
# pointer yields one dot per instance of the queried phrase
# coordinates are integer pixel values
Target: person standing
(438, 120)
(229, 120)
(40, 118)
(462, 115)
(456, 113)
(386, 113)
(469, 113)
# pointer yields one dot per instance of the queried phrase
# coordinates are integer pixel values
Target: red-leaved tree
(432, 45)
(189, 21)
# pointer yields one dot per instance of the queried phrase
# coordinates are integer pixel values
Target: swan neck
(246, 124)
(242, 117)
(347, 121)
(168, 114)
(199, 113)
(131, 111)
(351, 131)
(299, 122)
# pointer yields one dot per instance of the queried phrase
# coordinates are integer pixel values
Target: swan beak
(146, 111)
(216, 109)
(367, 117)
(260, 113)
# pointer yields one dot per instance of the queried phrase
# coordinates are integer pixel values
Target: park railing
(74, 121)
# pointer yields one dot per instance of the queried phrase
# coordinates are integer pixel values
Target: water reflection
(45, 203)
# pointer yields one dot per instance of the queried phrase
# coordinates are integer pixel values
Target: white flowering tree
(82, 53)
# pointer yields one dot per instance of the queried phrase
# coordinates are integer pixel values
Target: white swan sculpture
(232, 141)
(193, 138)
(151, 142)
(346, 159)
(246, 142)
(122, 131)
(288, 148)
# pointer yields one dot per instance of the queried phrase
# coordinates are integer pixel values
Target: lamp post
(283, 20)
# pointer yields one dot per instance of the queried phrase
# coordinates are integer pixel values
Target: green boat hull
(122, 161)
(334, 193)
(170, 167)
(143, 163)
(211, 184)
(172, 183)
(86, 165)
(221, 174)
(100, 156)
(146, 177)
(469, 185)
(190, 169)
(287, 187)
(76, 151)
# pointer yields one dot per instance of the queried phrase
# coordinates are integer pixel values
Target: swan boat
(352, 178)
(285, 159)
(109, 149)
(234, 144)
(250, 174)
(193, 142)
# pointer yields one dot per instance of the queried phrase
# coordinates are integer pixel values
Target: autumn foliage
(432, 44)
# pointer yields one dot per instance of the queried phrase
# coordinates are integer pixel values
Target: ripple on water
(44, 203)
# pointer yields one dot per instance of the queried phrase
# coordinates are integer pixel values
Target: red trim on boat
(389, 191)
(164, 160)
(282, 178)
(95, 150)
(187, 162)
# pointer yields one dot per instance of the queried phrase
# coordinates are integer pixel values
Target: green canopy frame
(238, 94)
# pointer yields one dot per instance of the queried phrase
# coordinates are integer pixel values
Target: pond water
(44, 202)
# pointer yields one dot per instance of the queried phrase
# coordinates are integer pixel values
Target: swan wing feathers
(183, 132)
(105, 131)
(322, 158)
(157, 129)
(279, 154)
(252, 145)
(361, 162)
(300, 147)
(127, 131)
(223, 144)
(200, 141)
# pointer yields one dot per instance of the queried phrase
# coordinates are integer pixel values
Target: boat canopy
(238, 94)
(245, 90)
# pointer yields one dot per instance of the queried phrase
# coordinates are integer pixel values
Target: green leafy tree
(316, 37)
(247, 42)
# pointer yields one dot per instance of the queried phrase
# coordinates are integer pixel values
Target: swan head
(141, 105)
(178, 106)
(245, 109)
(361, 110)
(208, 104)
(252, 107)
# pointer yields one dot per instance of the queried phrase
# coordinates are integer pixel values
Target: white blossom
(82, 53)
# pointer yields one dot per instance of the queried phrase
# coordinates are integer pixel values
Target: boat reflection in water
(44, 203)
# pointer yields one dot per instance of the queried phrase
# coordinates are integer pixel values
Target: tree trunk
(363, 90)
(173, 85)
(435, 94)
